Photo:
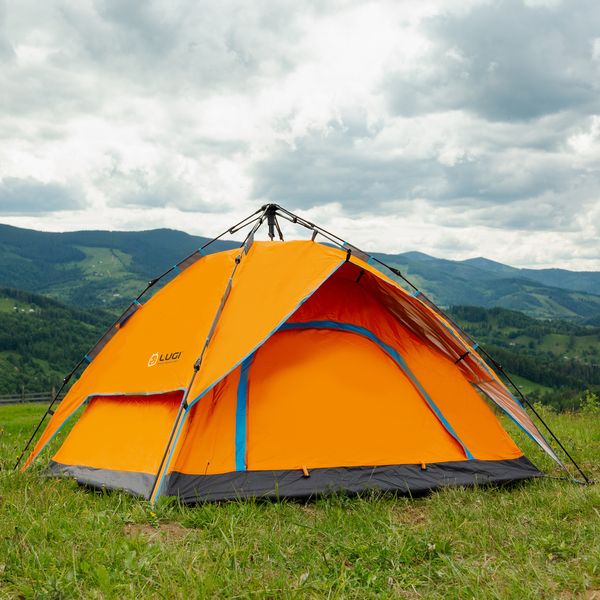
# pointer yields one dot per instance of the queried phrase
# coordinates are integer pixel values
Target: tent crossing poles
(271, 211)
(245, 246)
(338, 241)
(240, 225)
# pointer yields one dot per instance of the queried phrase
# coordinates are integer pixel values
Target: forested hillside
(41, 340)
(91, 268)
(554, 361)
(108, 268)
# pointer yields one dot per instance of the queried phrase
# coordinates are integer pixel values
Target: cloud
(504, 60)
(472, 181)
(438, 124)
(27, 196)
(6, 49)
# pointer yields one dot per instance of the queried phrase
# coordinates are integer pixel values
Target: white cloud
(455, 128)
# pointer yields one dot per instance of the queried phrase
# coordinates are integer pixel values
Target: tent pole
(526, 401)
(164, 463)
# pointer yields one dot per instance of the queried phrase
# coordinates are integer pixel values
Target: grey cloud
(199, 46)
(6, 49)
(507, 188)
(505, 60)
(161, 189)
(29, 196)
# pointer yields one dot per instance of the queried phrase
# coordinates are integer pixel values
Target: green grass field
(535, 540)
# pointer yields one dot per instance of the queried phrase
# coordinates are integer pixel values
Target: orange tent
(285, 369)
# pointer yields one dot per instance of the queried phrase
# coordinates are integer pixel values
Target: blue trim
(201, 252)
(475, 345)
(176, 269)
(170, 456)
(88, 358)
(371, 260)
(241, 414)
(415, 293)
(392, 353)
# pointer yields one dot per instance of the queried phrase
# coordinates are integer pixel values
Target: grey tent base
(138, 484)
(411, 480)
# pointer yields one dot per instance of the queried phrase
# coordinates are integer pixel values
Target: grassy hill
(108, 268)
(91, 268)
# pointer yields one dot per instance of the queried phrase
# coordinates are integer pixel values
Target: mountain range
(108, 268)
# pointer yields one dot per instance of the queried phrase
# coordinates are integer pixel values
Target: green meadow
(539, 539)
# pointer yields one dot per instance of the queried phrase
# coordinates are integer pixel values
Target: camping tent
(285, 369)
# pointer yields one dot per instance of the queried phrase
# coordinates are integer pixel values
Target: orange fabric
(331, 399)
(207, 444)
(121, 433)
(176, 319)
(342, 299)
(316, 398)
(272, 280)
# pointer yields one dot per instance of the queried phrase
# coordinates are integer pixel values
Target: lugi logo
(163, 359)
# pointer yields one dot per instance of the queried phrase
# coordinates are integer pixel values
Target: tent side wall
(118, 441)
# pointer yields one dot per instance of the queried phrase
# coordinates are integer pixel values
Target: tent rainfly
(285, 369)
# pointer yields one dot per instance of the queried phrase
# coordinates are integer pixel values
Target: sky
(456, 128)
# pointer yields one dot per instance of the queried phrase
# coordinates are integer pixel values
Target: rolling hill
(108, 268)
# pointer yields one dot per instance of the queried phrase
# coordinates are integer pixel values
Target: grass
(535, 540)
(527, 386)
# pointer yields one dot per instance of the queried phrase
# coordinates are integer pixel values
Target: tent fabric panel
(395, 356)
(407, 479)
(175, 320)
(342, 299)
(207, 442)
(427, 323)
(473, 419)
(272, 280)
(121, 433)
(322, 398)
(138, 484)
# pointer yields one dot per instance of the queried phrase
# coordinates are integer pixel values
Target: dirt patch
(163, 532)
(409, 515)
